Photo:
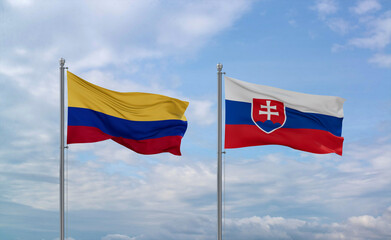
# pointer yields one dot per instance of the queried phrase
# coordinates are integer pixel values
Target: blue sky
(326, 47)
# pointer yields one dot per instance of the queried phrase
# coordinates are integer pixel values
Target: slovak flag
(263, 115)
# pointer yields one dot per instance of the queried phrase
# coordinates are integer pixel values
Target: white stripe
(237, 90)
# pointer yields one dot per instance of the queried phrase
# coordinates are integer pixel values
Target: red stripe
(82, 134)
(309, 140)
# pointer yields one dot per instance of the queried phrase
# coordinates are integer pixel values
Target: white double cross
(268, 111)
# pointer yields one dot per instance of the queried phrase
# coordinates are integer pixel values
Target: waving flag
(262, 115)
(146, 123)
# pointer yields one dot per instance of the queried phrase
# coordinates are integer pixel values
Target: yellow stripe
(130, 105)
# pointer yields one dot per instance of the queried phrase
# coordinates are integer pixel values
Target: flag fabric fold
(263, 115)
(144, 122)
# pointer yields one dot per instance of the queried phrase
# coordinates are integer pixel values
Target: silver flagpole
(62, 147)
(219, 153)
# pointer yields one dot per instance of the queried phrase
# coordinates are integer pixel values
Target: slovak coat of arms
(269, 115)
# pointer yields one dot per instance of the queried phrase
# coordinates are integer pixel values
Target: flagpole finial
(62, 61)
(219, 67)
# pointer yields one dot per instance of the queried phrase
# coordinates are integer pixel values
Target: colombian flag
(146, 123)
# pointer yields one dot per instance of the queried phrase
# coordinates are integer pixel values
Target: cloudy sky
(326, 47)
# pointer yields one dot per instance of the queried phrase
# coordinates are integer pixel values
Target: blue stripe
(118, 127)
(240, 113)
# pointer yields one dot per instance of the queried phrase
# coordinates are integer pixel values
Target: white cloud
(197, 21)
(378, 35)
(273, 228)
(104, 181)
(338, 25)
(367, 227)
(337, 47)
(267, 221)
(98, 58)
(365, 6)
(362, 173)
(382, 60)
(200, 112)
(163, 187)
(95, 34)
(325, 7)
(118, 237)
(20, 3)
(266, 227)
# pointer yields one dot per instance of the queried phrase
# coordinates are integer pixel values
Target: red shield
(268, 114)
